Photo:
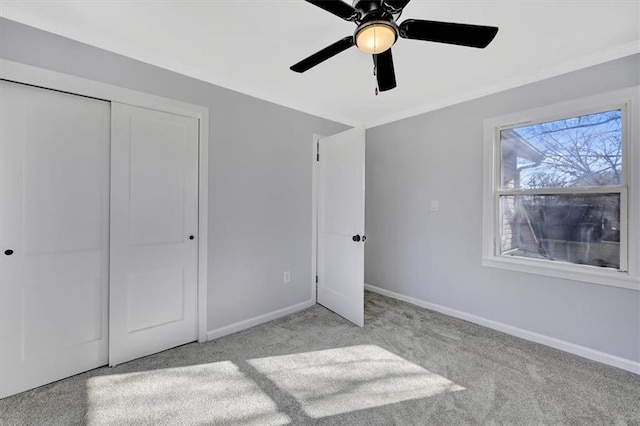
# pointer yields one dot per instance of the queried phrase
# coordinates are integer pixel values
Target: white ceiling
(248, 46)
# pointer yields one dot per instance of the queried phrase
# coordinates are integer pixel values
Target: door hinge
(318, 152)
(316, 278)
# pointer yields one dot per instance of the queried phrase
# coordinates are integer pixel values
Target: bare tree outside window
(577, 151)
(542, 163)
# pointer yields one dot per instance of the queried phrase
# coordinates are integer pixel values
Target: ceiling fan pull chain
(375, 65)
(375, 72)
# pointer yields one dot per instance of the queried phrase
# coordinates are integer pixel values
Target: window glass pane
(582, 229)
(575, 151)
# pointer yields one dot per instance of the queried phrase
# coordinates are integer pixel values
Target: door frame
(26, 74)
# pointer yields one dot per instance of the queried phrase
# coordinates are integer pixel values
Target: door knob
(8, 252)
(191, 237)
(364, 238)
(356, 238)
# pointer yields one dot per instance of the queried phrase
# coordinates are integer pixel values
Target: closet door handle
(356, 238)
(8, 252)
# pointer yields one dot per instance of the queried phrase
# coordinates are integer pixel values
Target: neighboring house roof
(512, 142)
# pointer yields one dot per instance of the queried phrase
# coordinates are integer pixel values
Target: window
(557, 191)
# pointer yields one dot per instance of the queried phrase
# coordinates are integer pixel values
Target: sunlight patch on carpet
(217, 393)
(342, 380)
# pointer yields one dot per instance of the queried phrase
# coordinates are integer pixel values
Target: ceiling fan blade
(323, 55)
(385, 72)
(395, 6)
(448, 32)
(337, 7)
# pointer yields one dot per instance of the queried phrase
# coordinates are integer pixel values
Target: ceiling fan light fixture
(376, 37)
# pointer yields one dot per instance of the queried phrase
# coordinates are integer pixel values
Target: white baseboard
(592, 354)
(260, 319)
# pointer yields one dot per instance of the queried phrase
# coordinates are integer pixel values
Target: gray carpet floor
(407, 366)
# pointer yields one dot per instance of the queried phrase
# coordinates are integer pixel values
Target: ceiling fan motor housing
(367, 6)
(371, 10)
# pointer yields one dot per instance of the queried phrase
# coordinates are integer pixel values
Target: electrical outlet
(287, 276)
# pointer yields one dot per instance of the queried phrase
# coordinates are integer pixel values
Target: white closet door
(54, 236)
(341, 224)
(154, 224)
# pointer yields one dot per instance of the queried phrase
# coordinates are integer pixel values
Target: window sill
(583, 273)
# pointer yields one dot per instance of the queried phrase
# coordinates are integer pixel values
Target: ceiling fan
(377, 31)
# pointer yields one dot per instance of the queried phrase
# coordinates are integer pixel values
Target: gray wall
(260, 173)
(435, 256)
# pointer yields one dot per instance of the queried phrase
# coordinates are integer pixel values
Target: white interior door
(154, 231)
(340, 193)
(54, 235)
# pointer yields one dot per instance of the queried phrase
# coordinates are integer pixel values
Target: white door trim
(27, 74)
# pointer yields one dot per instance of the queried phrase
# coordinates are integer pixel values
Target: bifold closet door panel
(154, 231)
(54, 235)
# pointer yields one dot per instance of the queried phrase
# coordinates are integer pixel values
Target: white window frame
(629, 274)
